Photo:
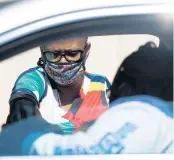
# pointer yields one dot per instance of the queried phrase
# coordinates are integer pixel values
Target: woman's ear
(41, 62)
(88, 47)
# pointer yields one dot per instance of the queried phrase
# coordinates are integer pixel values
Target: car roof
(23, 12)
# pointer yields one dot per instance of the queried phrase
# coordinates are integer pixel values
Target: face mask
(64, 74)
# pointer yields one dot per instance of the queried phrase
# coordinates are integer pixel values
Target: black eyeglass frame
(63, 53)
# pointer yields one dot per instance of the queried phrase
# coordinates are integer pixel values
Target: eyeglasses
(70, 56)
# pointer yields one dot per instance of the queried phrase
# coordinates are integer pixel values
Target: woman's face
(71, 49)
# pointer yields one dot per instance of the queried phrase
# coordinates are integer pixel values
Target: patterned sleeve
(30, 82)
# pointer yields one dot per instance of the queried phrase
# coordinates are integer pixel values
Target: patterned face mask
(64, 74)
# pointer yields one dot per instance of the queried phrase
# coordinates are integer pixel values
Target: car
(27, 24)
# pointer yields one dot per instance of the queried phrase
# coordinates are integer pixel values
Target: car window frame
(126, 24)
(78, 16)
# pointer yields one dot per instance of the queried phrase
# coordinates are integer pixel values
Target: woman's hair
(148, 71)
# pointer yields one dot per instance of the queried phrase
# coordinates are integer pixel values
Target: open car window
(113, 45)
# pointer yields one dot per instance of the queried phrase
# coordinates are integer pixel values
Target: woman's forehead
(68, 44)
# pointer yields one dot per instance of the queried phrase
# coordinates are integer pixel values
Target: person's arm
(26, 95)
(133, 126)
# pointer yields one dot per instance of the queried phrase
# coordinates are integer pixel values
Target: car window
(118, 47)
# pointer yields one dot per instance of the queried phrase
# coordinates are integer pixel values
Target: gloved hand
(22, 108)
